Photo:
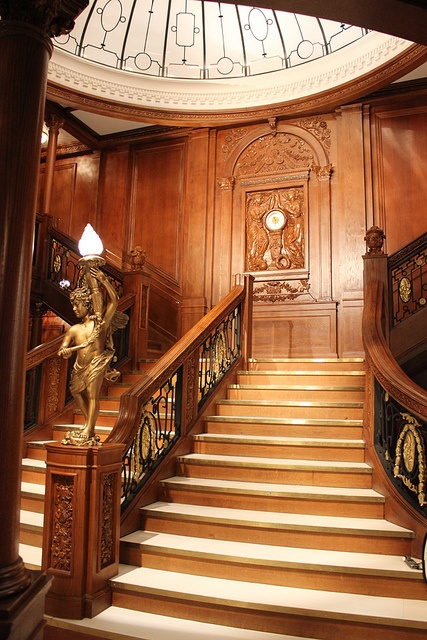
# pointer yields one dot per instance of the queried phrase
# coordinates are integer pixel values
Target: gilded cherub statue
(92, 339)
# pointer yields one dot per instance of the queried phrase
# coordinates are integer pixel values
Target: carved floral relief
(275, 229)
(63, 497)
(107, 524)
(275, 154)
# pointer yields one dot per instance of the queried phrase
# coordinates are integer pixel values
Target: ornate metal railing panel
(408, 280)
(218, 353)
(158, 430)
(401, 441)
(157, 412)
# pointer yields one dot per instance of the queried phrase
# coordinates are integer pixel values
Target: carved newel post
(136, 282)
(83, 479)
(82, 527)
(375, 263)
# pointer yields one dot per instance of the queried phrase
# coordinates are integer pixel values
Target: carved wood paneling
(295, 330)
(400, 153)
(108, 538)
(156, 205)
(113, 202)
(62, 523)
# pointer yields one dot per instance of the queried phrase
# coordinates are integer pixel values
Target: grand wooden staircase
(270, 528)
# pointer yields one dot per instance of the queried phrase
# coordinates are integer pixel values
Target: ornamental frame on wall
(277, 228)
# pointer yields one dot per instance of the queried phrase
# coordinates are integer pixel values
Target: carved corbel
(322, 173)
(273, 125)
(226, 184)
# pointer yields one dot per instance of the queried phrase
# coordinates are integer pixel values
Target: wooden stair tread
(120, 624)
(102, 412)
(336, 360)
(275, 519)
(291, 403)
(31, 488)
(296, 387)
(32, 556)
(287, 421)
(99, 429)
(32, 463)
(268, 463)
(280, 440)
(301, 372)
(271, 555)
(31, 518)
(373, 610)
(269, 489)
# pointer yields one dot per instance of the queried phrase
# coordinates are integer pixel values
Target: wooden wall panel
(349, 227)
(113, 204)
(156, 205)
(62, 195)
(295, 330)
(74, 193)
(400, 160)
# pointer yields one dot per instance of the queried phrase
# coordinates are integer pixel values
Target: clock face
(275, 220)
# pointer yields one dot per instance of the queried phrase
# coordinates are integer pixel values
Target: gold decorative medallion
(405, 289)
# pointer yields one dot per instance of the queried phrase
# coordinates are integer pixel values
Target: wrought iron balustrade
(218, 352)
(157, 412)
(158, 430)
(401, 441)
(408, 280)
(395, 410)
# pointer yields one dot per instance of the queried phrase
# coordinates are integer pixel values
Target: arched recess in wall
(275, 201)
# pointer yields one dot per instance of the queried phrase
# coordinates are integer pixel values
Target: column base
(22, 615)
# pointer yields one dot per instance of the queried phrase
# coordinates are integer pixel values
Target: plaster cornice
(373, 63)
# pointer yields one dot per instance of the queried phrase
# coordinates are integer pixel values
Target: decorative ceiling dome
(142, 57)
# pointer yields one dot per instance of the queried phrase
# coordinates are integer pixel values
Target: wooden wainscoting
(295, 329)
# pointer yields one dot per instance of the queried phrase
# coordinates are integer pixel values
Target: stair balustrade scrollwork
(396, 407)
(401, 442)
(158, 412)
(408, 280)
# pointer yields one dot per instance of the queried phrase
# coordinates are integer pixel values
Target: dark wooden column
(54, 125)
(25, 31)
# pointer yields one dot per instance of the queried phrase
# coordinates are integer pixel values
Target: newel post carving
(375, 266)
(137, 282)
(81, 527)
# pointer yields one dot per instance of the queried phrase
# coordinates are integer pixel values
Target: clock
(275, 220)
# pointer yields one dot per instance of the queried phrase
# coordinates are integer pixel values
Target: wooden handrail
(42, 352)
(385, 368)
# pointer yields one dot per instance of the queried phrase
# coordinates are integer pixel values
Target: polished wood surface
(182, 196)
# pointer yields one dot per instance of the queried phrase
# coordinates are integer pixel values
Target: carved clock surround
(275, 196)
(279, 189)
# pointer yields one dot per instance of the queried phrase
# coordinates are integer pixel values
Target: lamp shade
(90, 243)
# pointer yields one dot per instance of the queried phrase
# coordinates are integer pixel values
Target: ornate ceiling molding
(375, 62)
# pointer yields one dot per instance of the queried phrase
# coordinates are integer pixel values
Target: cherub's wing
(119, 321)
